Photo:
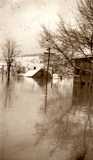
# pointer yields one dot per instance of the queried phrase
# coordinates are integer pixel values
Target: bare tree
(9, 53)
(57, 60)
(78, 39)
(69, 41)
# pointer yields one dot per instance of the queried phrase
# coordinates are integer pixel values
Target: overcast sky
(21, 20)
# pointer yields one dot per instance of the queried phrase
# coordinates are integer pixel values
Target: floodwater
(28, 131)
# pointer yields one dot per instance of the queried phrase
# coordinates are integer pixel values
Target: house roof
(83, 57)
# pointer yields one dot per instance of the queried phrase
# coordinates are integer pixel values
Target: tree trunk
(8, 72)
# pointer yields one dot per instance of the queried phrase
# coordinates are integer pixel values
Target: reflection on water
(20, 104)
(69, 125)
(28, 133)
(82, 92)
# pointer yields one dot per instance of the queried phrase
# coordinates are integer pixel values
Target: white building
(29, 61)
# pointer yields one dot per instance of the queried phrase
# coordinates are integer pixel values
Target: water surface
(26, 131)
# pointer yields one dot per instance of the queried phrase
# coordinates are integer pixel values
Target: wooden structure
(38, 73)
(83, 68)
(42, 74)
(83, 81)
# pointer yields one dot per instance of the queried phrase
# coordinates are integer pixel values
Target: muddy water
(22, 111)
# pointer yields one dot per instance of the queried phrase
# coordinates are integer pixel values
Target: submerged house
(38, 73)
(83, 81)
(83, 69)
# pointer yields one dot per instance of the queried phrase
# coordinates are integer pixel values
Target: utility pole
(47, 77)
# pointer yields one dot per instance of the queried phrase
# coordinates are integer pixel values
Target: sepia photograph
(46, 79)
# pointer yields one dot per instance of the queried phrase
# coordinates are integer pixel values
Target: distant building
(29, 61)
